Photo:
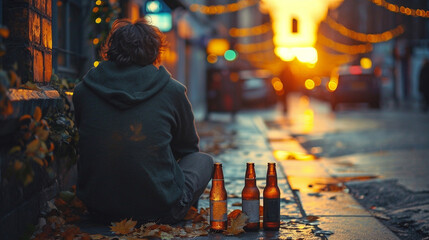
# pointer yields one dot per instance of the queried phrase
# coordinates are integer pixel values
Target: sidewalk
(262, 137)
(242, 141)
(259, 137)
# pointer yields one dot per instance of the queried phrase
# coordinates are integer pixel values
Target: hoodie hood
(125, 87)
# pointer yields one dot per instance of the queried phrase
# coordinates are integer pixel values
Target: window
(294, 25)
(67, 37)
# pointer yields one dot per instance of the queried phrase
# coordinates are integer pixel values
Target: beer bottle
(271, 200)
(250, 199)
(218, 204)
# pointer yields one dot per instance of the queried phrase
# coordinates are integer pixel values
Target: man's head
(133, 43)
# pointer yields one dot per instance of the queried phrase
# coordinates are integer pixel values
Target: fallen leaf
(236, 225)
(123, 227)
(312, 218)
(97, 236)
(234, 214)
(70, 232)
(191, 214)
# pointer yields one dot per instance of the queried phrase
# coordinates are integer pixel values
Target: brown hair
(133, 43)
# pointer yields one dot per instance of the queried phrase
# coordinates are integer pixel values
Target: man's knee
(208, 160)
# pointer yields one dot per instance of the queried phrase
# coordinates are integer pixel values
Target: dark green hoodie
(134, 124)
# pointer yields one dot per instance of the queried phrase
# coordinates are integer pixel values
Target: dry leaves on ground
(123, 227)
(236, 221)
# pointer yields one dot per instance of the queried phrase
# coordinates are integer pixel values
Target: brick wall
(30, 41)
(30, 47)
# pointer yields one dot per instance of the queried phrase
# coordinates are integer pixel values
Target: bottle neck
(218, 173)
(272, 180)
(250, 182)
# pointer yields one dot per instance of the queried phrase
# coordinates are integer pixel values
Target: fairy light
(252, 31)
(96, 63)
(95, 41)
(254, 47)
(221, 9)
(372, 38)
(98, 2)
(98, 20)
(401, 9)
(344, 48)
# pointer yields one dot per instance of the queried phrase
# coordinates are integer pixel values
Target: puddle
(321, 184)
(281, 155)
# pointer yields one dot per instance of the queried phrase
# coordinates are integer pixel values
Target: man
(139, 154)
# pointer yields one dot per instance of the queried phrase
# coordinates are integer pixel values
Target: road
(382, 156)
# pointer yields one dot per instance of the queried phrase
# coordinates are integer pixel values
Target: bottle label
(218, 211)
(251, 209)
(272, 209)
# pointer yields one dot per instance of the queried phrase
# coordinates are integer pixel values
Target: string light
(95, 41)
(254, 47)
(98, 20)
(259, 57)
(372, 38)
(252, 31)
(221, 9)
(402, 9)
(344, 48)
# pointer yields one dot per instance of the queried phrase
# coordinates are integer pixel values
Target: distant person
(424, 84)
(139, 155)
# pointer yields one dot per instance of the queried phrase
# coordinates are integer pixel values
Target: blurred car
(353, 84)
(256, 88)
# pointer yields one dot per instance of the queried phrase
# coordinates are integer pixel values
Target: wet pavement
(247, 142)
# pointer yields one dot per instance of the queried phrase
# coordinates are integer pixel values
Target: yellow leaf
(17, 165)
(4, 32)
(42, 134)
(97, 236)
(33, 146)
(236, 224)
(38, 161)
(123, 227)
(28, 179)
(23, 117)
(6, 107)
(31, 86)
(15, 149)
(37, 115)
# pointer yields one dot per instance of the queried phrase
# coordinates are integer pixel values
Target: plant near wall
(63, 130)
(32, 148)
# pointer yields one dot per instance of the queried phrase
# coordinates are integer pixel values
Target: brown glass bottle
(271, 200)
(250, 199)
(218, 200)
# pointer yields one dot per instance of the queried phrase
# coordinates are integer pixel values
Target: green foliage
(63, 130)
(103, 15)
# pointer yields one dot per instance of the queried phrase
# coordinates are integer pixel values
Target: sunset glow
(295, 26)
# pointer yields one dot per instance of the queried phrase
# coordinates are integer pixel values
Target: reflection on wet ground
(323, 184)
